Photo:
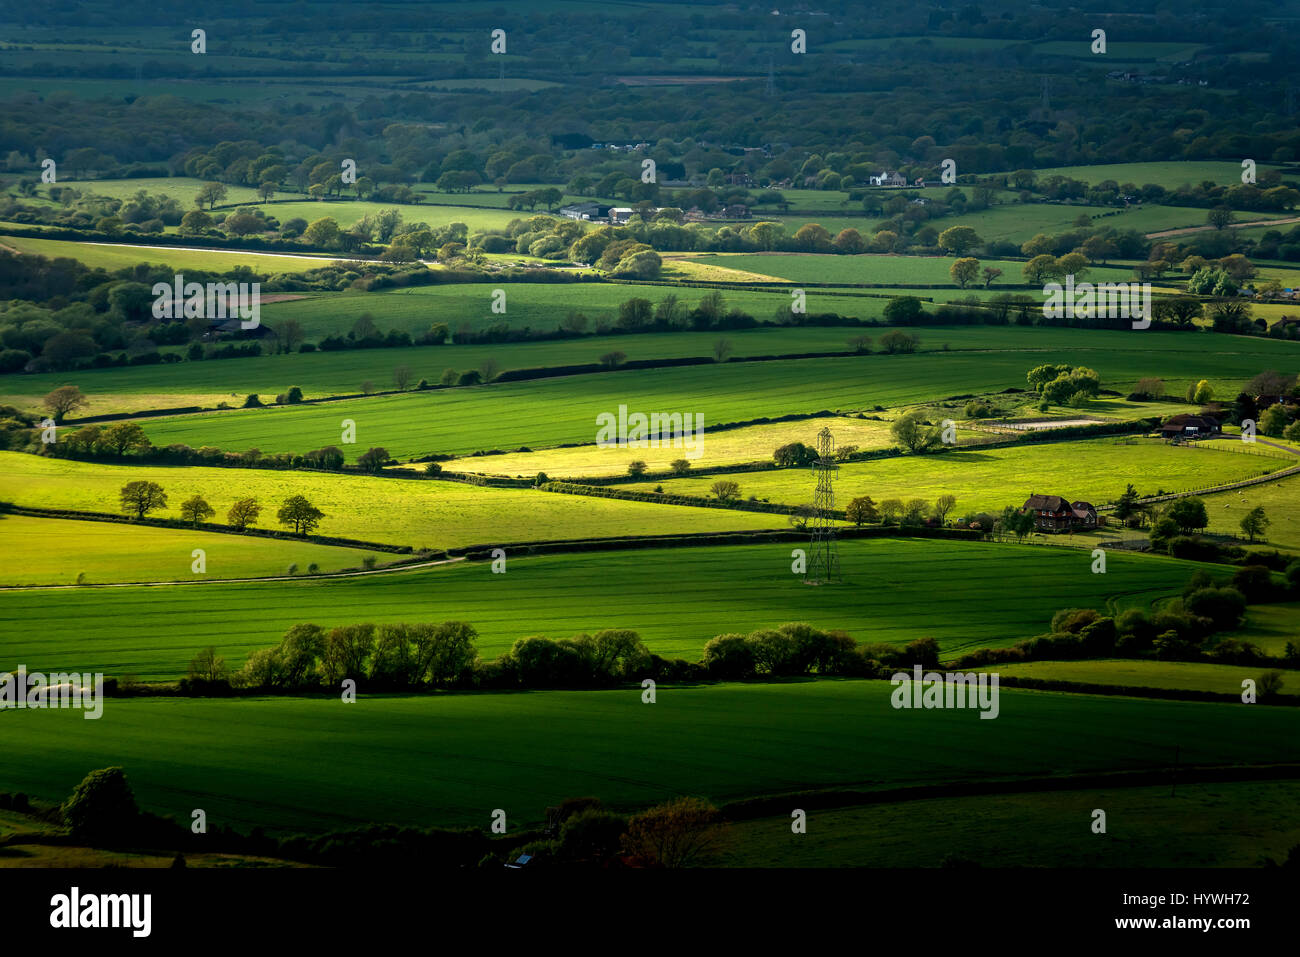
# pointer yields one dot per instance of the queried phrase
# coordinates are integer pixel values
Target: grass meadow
(293, 763)
(49, 551)
(984, 359)
(553, 411)
(419, 513)
(897, 590)
(1094, 470)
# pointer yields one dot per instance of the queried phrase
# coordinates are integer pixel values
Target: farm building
(585, 211)
(1189, 426)
(1055, 513)
(889, 179)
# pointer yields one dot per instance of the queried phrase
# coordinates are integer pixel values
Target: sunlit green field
(114, 257)
(1004, 355)
(1280, 501)
(49, 551)
(420, 513)
(749, 444)
(547, 412)
(897, 590)
(1094, 470)
(869, 268)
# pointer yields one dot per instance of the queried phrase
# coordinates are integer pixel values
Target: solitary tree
(243, 513)
(681, 466)
(140, 498)
(911, 432)
(636, 469)
(195, 510)
(63, 400)
(402, 377)
(301, 514)
(722, 350)
(1255, 522)
(943, 505)
(726, 490)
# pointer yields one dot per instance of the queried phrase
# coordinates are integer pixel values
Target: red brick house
(1054, 513)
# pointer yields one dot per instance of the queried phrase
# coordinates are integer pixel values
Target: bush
(729, 657)
(102, 807)
(1073, 620)
(1225, 607)
(252, 401)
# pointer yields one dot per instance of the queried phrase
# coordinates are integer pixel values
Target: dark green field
(293, 763)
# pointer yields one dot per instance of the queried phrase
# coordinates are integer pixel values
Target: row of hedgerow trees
(427, 656)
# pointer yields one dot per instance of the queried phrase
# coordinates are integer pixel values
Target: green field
(1271, 627)
(112, 257)
(422, 514)
(1170, 175)
(898, 590)
(541, 306)
(287, 763)
(1280, 501)
(996, 358)
(1094, 470)
(1204, 825)
(320, 374)
(552, 411)
(869, 268)
(1177, 675)
(46, 551)
(751, 444)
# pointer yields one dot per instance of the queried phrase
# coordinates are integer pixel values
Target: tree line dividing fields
(677, 599)
(552, 411)
(289, 763)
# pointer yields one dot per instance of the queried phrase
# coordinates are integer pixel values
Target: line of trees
(140, 497)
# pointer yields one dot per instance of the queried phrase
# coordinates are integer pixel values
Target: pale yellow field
(753, 443)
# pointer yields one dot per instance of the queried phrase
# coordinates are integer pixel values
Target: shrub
(102, 807)
(1073, 620)
(729, 657)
